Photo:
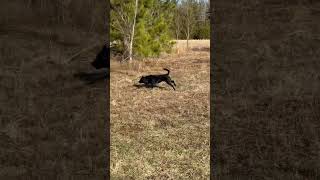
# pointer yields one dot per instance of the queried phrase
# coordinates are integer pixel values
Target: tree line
(140, 28)
(146, 28)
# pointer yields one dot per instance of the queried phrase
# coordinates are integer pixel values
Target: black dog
(153, 80)
(102, 59)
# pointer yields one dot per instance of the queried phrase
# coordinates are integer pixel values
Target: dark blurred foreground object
(92, 77)
(102, 59)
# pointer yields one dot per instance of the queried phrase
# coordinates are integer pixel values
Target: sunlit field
(160, 133)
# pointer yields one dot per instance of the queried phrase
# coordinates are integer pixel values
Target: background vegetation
(146, 28)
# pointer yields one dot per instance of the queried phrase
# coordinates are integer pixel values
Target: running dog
(153, 80)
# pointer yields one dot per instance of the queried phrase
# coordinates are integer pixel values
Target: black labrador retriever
(153, 80)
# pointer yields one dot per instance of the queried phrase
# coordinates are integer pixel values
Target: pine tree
(151, 30)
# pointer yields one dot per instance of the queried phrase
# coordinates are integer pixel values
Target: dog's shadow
(92, 77)
(138, 86)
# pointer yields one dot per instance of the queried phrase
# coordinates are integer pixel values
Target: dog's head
(143, 79)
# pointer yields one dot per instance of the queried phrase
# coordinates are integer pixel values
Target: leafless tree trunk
(126, 26)
(188, 22)
(132, 31)
(188, 36)
(177, 23)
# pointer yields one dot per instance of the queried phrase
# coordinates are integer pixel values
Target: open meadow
(160, 133)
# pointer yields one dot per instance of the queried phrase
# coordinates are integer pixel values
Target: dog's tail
(167, 70)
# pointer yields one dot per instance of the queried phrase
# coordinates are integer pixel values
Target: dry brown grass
(196, 45)
(160, 133)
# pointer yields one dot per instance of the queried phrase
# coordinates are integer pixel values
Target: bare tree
(124, 22)
(132, 30)
(188, 18)
(177, 22)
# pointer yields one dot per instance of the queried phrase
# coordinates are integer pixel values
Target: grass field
(160, 133)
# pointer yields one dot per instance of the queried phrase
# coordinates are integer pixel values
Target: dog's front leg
(173, 82)
(169, 83)
(172, 86)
